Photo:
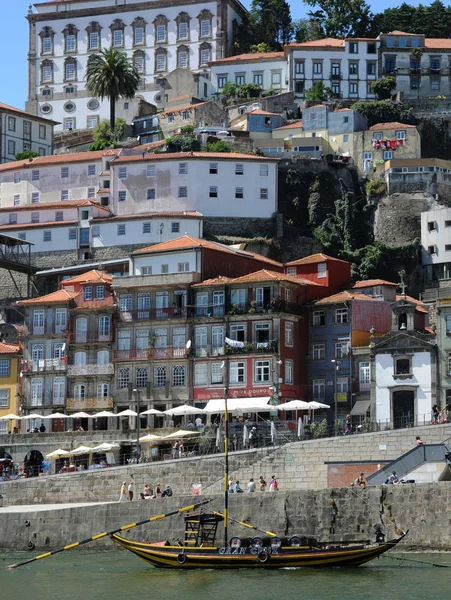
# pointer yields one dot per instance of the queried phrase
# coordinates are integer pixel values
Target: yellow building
(9, 400)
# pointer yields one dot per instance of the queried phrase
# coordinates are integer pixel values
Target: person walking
(273, 486)
(262, 483)
(251, 486)
(123, 495)
(131, 487)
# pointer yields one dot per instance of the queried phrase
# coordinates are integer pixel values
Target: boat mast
(226, 453)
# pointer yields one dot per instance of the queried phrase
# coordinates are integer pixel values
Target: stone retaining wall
(424, 510)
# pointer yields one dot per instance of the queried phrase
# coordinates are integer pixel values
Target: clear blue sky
(14, 44)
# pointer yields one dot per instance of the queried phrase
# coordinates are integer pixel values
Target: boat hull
(178, 557)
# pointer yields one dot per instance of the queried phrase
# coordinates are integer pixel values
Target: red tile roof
(397, 32)
(342, 110)
(20, 226)
(9, 108)
(393, 125)
(92, 276)
(56, 159)
(186, 241)
(257, 111)
(180, 108)
(149, 146)
(192, 155)
(314, 258)
(177, 98)
(296, 125)
(220, 280)
(372, 282)
(437, 43)
(336, 43)
(8, 348)
(419, 306)
(180, 215)
(51, 205)
(265, 275)
(249, 57)
(53, 298)
(345, 296)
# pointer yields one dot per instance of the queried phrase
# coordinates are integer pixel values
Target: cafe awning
(259, 404)
(361, 407)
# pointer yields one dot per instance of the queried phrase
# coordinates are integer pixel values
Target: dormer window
(100, 292)
(322, 270)
(87, 292)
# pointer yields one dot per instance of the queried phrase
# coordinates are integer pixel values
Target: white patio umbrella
(150, 437)
(245, 436)
(10, 417)
(184, 410)
(58, 415)
(315, 405)
(178, 434)
(273, 432)
(58, 453)
(82, 450)
(104, 447)
(34, 416)
(104, 413)
(81, 415)
(127, 413)
(301, 431)
(295, 405)
(152, 411)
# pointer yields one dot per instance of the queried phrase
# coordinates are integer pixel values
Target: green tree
(182, 143)
(319, 92)
(384, 111)
(218, 146)
(230, 90)
(433, 20)
(306, 30)
(104, 137)
(26, 154)
(270, 22)
(384, 87)
(260, 48)
(111, 74)
(341, 18)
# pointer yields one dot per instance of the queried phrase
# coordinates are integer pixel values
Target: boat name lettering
(232, 550)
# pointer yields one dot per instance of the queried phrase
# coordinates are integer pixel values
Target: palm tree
(111, 74)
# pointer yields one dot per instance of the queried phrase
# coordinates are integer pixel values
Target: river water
(118, 575)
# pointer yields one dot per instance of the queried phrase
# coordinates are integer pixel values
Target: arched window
(70, 69)
(94, 33)
(103, 390)
(183, 57)
(178, 376)
(117, 33)
(59, 390)
(205, 18)
(46, 71)
(103, 357)
(104, 328)
(70, 38)
(47, 34)
(182, 21)
(161, 29)
(139, 58)
(80, 391)
(139, 31)
(161, 59)
(402, 321)
(80, 359)
(204, 54)
(159, 379)
(142, 377)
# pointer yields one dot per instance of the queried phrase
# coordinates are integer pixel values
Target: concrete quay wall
(424, 510)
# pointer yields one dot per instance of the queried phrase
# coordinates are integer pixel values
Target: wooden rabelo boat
(200, 550)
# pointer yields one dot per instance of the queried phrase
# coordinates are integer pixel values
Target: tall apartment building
(159, 39)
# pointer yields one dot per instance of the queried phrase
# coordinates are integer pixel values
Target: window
(122, 172)
(142, 377)
(47, 73)
(164, 269)
(36, 392)
(103, 390)
(435, 64)
(72, 234)
(213, 168)
(70, 42)
(288, 334)
(183, 168)
(319, 389)
(159, 379)
(100, 292)
(237, 372)
(93, 40)
(388, 154)
(222, 80)
(288, 371)
(264, 170)
(182, 58)
(183, 192)
(69, 124)
(183, 267)
(317, 68)
(364, 376)
(4, 400)
(213, 192)
(402, 366)
(121, 229)
(178, 376)
(118, 37)
(335, 69)
(390, 64)
(353, 68)
(400, 134)
(64, 194)
(341, 315)
(240, 79)
(12, 148)
(16, 200)
(322, 270)
(342, 385)
(299, 67)
(262, 371)
(353, 48)
(87, 292)
(371, 48)
(319, 351)
(184, 115)
(175, 227)
(345, 138)
(91, 170)
(147, 228)
(46, 45)
(59, 215)
(64, 172)
(47, 236)
(91, 192)
(139, 35)
(70, 71)
(34, 175)
(239, 193)
(161, 33)
(200, 374)
(258, 79)
(4, 367)
(341, 349)
(22, 236)
(35, 217)
(371, 68)
(161, 64)
(150, 193)
(122, 196)
(13, 219)
(431, 249)
(11, 124)
(170, 118)
(205, 28)
(353, 88)
(123, 378)
(217, 373)
(432, 226)
(151, 170)
(183, 31)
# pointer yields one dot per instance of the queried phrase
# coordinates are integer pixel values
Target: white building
(215, 184)
(22, 131)
(267, 69)
(347, 66)
(159, 38)
(436, 243)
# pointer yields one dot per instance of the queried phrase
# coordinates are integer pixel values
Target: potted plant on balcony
(151, 348)
(253, 308)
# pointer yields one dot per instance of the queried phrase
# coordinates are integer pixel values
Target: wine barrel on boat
(302, 540)
(240, 542)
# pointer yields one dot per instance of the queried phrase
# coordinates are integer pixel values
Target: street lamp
(337, 366)
(138, 445)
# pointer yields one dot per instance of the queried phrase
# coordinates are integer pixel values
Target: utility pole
(138, 407)
(336, 364)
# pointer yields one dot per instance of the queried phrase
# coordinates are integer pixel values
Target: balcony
(90, 403)
(149, 354)
(93, 369)
(150, 314)
(210, 310)
(276, 306)
(335, 76)
(32, 403)
(270, 347)
(45, 365)
(107, 302)
(208, 350)
(161, 279)
(25, 330)
(84, 337)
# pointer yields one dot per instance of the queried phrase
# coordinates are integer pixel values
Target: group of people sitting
(235, 488)
(148, 493)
